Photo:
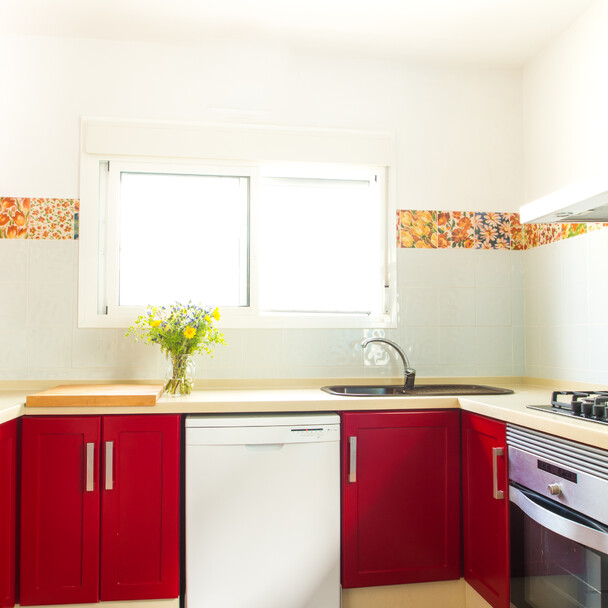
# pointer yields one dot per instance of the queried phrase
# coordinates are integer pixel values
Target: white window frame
(189, 148)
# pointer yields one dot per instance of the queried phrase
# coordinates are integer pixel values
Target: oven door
(559, 558)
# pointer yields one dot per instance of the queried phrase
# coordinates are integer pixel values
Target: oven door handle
(572, 530)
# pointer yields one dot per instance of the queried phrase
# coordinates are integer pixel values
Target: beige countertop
(509, 408)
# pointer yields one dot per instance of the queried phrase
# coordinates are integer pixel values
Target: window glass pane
(321, 246)
(183, 237)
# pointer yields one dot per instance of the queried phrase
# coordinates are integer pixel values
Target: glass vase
(179, 378)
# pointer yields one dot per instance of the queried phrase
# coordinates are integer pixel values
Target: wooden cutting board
(97, 395)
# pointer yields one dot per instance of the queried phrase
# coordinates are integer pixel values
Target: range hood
(585, 201)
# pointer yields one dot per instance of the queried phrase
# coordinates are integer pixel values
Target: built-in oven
(558, 495)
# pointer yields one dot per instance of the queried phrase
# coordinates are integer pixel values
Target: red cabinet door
(60, 510)
(486, 508)
(8, 508)
(401, 497)
(140, 507)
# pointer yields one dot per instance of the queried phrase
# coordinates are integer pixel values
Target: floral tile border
(39, 218)
(517, 232)
(456, 229)
(59, 219)
(14, 215)
(492, 230)
(480, 230)
(417, 229)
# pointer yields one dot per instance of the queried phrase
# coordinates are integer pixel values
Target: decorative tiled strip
(58, 218)
(479, 230)
(39, 218)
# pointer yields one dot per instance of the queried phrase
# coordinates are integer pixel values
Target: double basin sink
(422, 390)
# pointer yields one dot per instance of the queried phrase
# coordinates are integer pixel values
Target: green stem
(179, 383)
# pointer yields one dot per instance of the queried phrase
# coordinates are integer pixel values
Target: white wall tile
(419, 306)
(343, 347)
(52, 260)
(457, 346)
(457, 306)
(93, 348)
(493, 268)
(50, 304)
(14, 260)
(137, 359)
(229, 355)
(50, 347)
(493, 306)
(303, 348)
(456, 267)
(421, 344)
(13, 348)
(519, 350)
(418, 267)
(262, 349)
(518, 318)
(439, 290)
(494, 346)
(517, 269)
(13, 304)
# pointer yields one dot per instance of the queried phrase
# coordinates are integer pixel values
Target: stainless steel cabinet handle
(352, 468)
(498, 494)
(109, 465)
(90, 473)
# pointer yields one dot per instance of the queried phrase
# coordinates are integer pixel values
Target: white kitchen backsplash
(566, 290)
(461, 314)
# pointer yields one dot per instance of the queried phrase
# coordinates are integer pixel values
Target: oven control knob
(554, 489)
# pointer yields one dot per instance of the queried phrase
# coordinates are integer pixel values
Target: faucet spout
(409, 373)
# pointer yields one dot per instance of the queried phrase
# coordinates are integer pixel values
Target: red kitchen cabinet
(140, 508)
(400, 497)
(92, 485)
(8, 511)
(59, 510)
(486, 508)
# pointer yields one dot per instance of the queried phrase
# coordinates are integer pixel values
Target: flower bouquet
(181, 330)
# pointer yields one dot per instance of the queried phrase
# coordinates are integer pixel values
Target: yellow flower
(155, 322)
(208, 318)
(216, 314)
(189, 332)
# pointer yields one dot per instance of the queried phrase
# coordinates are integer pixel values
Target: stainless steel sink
(422, 390)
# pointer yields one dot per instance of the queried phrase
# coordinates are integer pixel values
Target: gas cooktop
(585, 405)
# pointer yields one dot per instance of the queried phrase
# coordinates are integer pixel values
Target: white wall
(565, 96)
(459, 148)
(565, 92)
(459, 129)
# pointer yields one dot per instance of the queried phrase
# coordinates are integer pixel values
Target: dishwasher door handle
(352, 468)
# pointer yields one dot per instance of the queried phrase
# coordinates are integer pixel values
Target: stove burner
(588, 405)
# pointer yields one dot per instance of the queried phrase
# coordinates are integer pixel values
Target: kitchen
(471, 137)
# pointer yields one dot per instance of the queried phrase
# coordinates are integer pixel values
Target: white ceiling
(496, 32)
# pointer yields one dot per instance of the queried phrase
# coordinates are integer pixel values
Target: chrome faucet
(409, 374)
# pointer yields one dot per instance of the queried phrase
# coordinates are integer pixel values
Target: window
(287, 244)
(181, 237)
(321, 245)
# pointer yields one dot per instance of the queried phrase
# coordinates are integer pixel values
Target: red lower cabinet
(486, 508)
(140, 508)
(400, 497)
(59, 510)
(86, 478)
(8, 511)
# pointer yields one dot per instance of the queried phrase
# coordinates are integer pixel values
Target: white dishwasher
(263, 511)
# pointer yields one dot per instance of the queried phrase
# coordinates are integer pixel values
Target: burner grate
(587, 405)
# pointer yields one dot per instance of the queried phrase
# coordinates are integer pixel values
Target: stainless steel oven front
(558, 491)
